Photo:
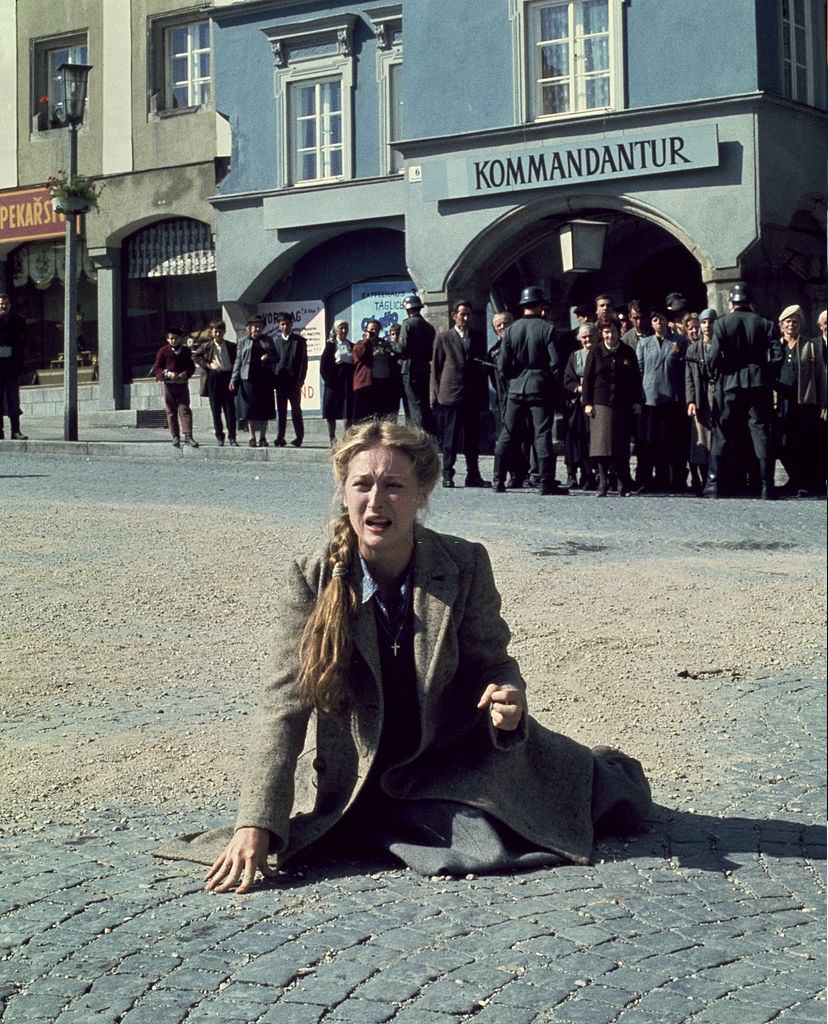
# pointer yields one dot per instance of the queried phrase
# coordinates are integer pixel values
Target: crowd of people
(252, 381)
(705, 403)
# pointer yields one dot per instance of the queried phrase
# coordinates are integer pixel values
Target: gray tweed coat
(304, 771)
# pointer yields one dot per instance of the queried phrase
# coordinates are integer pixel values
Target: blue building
(465, 147)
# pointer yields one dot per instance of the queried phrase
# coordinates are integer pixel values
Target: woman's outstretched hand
(505, 704)
(244, 854)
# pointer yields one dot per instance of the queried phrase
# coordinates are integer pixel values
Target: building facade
(151, 135)
(451, 144)
(328, 157)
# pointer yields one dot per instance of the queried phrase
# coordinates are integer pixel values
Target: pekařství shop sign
(27, 216)
(576, 161)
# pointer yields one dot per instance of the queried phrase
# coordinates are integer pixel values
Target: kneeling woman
(392, 712)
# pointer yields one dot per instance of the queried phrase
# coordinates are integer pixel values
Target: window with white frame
(313, 86)
(180, 64)
(47, 81)
(316, 130)
(797, 59)
(573, 57)
(187, 60)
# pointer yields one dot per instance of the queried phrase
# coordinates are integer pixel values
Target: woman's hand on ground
(242, 857)
(505, 704)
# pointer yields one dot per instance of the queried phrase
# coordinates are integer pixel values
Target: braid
(325, 645)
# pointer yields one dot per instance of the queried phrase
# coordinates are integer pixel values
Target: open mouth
(377, 523)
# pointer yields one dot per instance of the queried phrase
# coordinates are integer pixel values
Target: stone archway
(645, 256)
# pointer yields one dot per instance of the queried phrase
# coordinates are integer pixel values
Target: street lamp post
(75, 78)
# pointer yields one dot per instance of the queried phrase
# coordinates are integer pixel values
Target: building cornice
(257, 196)
(618, 120)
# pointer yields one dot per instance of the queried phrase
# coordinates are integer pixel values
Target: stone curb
(163, 449)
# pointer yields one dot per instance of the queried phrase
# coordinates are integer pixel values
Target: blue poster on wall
(377, 300)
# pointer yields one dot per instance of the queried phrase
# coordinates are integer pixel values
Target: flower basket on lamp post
(73, 195)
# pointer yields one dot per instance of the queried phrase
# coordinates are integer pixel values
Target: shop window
(180, 66)
(47, 83)
(313, 87)
(573, 57)
(797, 56)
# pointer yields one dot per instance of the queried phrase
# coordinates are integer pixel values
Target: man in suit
(461, 386)
(664, 438)
(416, 348)
(744, 356)
(528, 362)
(12, 343)
(215, 354)
(289, 376)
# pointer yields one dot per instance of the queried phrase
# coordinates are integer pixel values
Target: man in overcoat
(12, 345)
(529, 364)
(416, 348)
(289, 374)
(744, 357)
(461, 385)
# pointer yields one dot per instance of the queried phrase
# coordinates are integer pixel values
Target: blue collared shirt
(370, 588)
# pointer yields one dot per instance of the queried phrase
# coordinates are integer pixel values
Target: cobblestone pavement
(714, 916)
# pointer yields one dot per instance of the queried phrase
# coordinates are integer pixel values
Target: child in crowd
(173, 367)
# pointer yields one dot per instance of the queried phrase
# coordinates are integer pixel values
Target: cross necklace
(400, 617)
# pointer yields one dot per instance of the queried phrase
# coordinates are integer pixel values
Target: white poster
(309, 321)
(377, 300)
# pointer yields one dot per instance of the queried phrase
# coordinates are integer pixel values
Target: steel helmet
(532, 296)
(739, 292)
(412, 302)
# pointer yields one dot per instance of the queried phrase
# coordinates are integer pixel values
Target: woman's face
(609, 336)
(790, 327)
(382, 496)
(342, 331)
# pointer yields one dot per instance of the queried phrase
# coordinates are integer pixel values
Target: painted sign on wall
(27, 215)
(575, 161)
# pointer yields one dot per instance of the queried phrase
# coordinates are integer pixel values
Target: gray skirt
(610, 431)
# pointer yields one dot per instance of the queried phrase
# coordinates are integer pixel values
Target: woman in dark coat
(336, 368)
(252, 377)
(393, 716)
(612, 397)
(576, 443)
(700, 392)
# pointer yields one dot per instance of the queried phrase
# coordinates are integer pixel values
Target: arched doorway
(641, 260)
(170, 280)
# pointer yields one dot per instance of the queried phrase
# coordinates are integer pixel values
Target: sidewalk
(45, 437)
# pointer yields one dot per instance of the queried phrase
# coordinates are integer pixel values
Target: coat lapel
(435, 591)
(364, 628)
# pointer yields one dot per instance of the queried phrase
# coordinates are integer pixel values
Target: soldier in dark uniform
(416, 347)
(529, 364)
(744, 355)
